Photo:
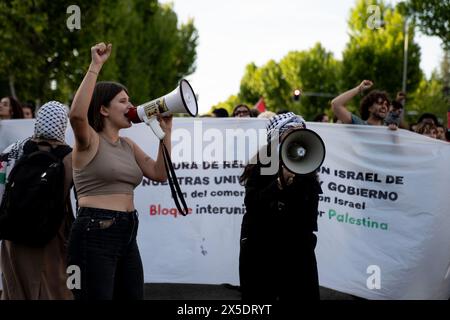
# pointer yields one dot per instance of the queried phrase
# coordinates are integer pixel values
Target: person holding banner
(277, 259)
(106, 169)
(373, 107)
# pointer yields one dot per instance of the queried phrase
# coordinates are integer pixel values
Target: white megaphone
(302, 151)
(181, 100)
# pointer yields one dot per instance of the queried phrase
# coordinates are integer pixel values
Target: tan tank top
(113, 170)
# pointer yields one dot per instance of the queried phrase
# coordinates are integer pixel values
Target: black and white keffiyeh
(283, 122)
(51, 122)
(8, 158)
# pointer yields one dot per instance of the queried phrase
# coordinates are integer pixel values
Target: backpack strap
(31, 146)
(62, 151)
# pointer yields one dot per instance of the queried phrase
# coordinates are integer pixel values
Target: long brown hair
(254, 164)
(16, 108)
(104, 92)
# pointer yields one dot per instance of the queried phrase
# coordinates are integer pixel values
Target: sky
(234, 33)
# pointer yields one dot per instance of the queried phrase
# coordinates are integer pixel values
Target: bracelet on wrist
(94, 72)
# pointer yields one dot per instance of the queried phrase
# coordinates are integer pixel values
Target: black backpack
(33, 204)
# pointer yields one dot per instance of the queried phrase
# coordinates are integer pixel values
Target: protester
(373, 107)
(10, 108)
(441, 132)
(394, 116)
(220, 113)
(106, 169)
(254, 113)
(28, 110)
(322, 117)
(277, 259)
(428, 117)
(427, 128)
(266, 114)
(241, 111)
(39, 273)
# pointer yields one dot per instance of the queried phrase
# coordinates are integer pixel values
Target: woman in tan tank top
(106, 170)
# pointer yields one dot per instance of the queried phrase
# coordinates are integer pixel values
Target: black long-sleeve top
(272, 212)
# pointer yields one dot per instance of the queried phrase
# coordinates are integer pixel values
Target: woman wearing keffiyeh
(31, 273)
(277, 259)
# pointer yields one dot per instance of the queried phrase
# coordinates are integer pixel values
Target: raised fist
(100, 53)
(365, 84)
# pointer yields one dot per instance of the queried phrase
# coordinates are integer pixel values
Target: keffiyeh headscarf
(283, 122)
(51, 122)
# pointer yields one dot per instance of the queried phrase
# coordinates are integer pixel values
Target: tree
(150, 52)
(375, 50)
(228, 104)
(250, 88)
(432, 17)
(314, 71)
(432, 95)
(36, 48)
(156, 53)
(429, 97)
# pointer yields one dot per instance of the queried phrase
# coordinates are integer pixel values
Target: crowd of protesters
(11, 108)
(375, 109)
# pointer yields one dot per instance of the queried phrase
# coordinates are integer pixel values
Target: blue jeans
(103, 245)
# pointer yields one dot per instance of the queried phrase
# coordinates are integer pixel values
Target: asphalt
(177, 291)
(181, 291)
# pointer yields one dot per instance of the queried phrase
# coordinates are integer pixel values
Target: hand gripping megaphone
(181, 100)
(302, 151)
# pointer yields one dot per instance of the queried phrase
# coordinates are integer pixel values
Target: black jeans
(103, 245)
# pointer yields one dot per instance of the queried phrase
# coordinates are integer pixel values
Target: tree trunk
(11, 86)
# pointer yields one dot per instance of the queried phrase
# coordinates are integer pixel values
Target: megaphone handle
(281, 178)
(153, 123)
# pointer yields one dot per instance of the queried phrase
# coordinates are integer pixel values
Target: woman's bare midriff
(117, 202)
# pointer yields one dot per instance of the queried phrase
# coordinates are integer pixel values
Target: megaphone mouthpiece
(181, 100)
(132, 115)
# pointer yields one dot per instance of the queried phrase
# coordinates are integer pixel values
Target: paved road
(176, 291)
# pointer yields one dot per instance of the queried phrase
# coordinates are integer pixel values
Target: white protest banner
(383, 229)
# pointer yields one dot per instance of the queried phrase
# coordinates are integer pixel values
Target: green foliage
(374, 51)
(377, 53)
(432, 95)
(314, 70)
(250, 87)
(151, 52)
(432, 17)
(229, 104)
